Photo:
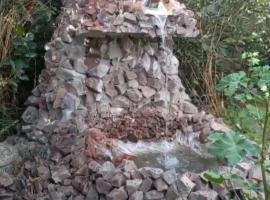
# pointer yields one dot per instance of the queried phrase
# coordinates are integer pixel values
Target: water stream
(184, 153)
(160, 16)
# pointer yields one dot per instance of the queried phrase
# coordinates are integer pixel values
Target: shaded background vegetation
(235, 36)
(229, 28)
(26, 25)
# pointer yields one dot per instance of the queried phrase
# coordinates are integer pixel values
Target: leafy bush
(250, 91)
(28, 25)
(228, 28)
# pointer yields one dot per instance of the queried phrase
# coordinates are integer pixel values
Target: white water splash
(189, 141)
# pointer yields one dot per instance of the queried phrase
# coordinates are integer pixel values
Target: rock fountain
(111, 78)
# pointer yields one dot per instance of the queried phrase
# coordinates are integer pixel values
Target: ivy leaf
(231, 147)
(213, 177)
(230, 83)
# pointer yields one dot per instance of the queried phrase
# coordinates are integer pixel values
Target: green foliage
(24, 53)
(231, 83)
(231, 147)
(213, 176)
(228, 28)
(252, 91)
(20, 68)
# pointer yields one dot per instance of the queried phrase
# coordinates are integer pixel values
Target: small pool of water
(182, 160)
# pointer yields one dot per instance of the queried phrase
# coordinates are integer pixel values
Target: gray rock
(151, 172)
(203, 195)
(92, 193)
(155, 70)
(134, 95)
(130, 17)
(122, 88)
(79, 183)
(104, 49)
(67, 190)
(94, 166)
(103, 187)
(147, 91)
(169, 176)
(189, 108)
(66, 37)
(146, 62)
(149, 49)
(129, 166)
(101, 69)
(129, 75)
(172, 67)
(255, 173)
(95, 84)
(70, 102)
(119, 78)
(111, 8)
(154, 195)
(59, 98)
(146, 185)
(38, 136)
(30, 115)
(33, 101)
(133, 84)
(138, 195)
(121, 101)
(118, 180)
(110, 90)
(114, 50)
(154, 83)
(142, 79)
(60, 173)
(184, 186)
(6, 180)
(174, 84)
(43, 172)
(79, 86)
(9, 157)
(133, 185)
(79, 66)
(216, 126)
(160, 185)
(117, 194)
(57, 195)
(127, 45)
(107, 170)
(172, 192)
(67, 74)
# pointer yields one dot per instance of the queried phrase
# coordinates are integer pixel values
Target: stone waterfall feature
(110, 76)
(105, 61)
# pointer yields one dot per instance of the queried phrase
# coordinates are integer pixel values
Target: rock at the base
(185, 186)
(60, 173)
(133, 185)
(154, 195)
(117, 194)
(30, 115)
(138, 195)
(118, 180)
(169, 176)
(6, 180)
(203, 195)
(146, 185)
(103, 187)
(92, 193)
(160, 185)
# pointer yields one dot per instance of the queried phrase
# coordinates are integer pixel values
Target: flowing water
(181, 159)
(184, 153)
